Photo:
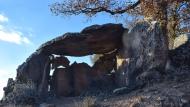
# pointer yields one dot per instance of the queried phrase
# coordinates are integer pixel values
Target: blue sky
(26, 24)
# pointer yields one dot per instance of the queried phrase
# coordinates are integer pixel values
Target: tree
(173, 15)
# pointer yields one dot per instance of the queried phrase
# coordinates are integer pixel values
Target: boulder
(105, 64)
(121, 73)
(96, 39)
(59, 61)
(145, 49)
(36, 69)
(62, 82)
(21, 93)
(71, 81)
(10, 86)
(180, 55)
(81, 79)
(32, 68)
(101, 72)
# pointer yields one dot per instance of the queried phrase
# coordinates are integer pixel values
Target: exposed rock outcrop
(35, 69)
(165, 94)
(145, 51)
(22, 94)
(91, 40)
(32, 68)
(129, 60)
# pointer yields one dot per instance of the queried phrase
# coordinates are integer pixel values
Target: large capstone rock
(145, 52)
(96, 39)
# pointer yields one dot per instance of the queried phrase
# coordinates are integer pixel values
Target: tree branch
(112, 12)
(71, 8)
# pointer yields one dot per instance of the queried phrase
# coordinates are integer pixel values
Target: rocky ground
(166, 94)
(174, 91)
(171, 92)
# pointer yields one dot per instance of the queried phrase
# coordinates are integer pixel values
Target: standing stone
(36, 68)
(81, 79)
(43, 86)
(145, 51)
(101, 71)
(62, 82)
(32, 68)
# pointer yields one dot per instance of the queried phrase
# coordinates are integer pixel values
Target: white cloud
(13, 37)
(3, 18)
(8, 34)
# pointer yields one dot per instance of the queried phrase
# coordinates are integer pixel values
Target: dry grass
(10, 105)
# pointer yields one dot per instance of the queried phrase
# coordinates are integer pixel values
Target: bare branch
(91, 8)
(113, 12)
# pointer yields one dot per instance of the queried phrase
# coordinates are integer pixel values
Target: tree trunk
(172, 24)
(156, 10)
(171, 27)
(161, 16)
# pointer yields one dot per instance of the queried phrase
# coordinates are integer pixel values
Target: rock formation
(180, 55)
(71, 79)
(59, 61)
(61, 83)
(96, 39)
(145, 51)
(129, 60)
(33, 68)
(101, 70)
(81, 78)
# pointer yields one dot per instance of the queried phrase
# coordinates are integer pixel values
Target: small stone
(185, 99)
(160, 99)
(156, 92)
(47, 105)
(148, 97)
(175, 86)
